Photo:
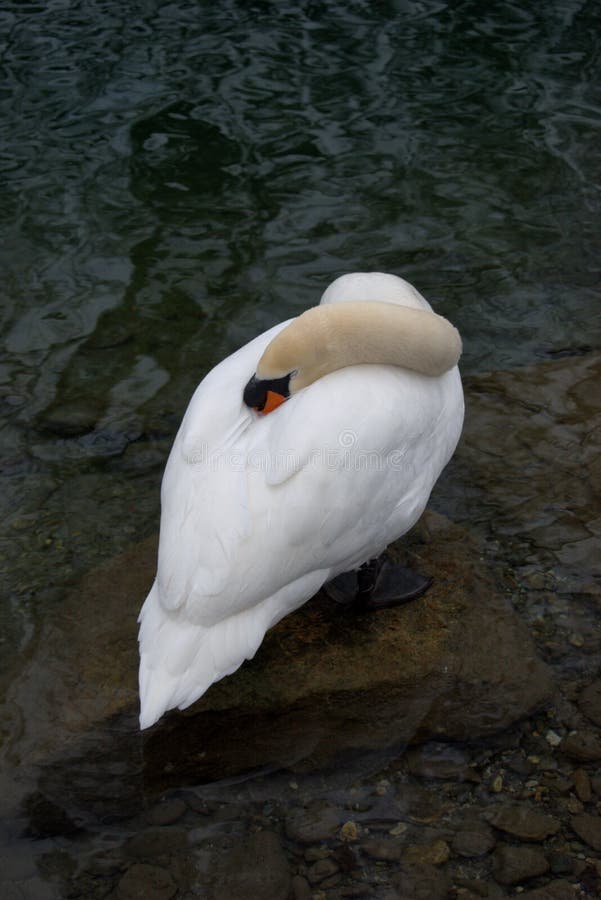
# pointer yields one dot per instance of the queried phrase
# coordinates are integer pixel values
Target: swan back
(373, 286)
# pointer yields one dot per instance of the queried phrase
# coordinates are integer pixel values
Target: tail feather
(179, 660)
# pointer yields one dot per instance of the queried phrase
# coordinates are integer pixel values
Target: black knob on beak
(255, 393)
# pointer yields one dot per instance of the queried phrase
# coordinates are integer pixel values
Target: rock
(146, 882)
(300, 889)
(48, 819)
(589, 702)
(523, 822)
(512, 865)
(312, 825)
(167, 812)
(322, 869)
(588, 829)
(312, 854)
(349, 832)
(153, 842)
(596, 784)
(440, 760)
(496, 784)
(456, 664)
(572, 804)
(435, 854)
(553, 890)
(356, 890)
(476, 841)
(470, 888)
(552, 738)
(383, 849)
(582, 785)
(585, 746)
(256, 867)
(421, 882)
(70, 419)
(561, 863)
(419, 805)
(321, 683)
(519, 764)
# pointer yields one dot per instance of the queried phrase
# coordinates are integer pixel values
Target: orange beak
(272, 402)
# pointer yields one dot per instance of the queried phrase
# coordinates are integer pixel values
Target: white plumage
(259, 511)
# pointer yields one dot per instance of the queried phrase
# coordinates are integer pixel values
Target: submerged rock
(455, 664)
(584, 746)
(514, 864)
(531, 451)
(523, 822)
(588, 828)
(146, 882)
(255, 867)
(317, 823)
(475, 841)
(590, 702)
(421, 882)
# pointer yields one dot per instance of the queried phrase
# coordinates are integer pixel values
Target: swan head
(295, 358)
(266, 394)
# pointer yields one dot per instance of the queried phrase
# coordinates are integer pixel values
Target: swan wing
(356, 455)
(204, 502)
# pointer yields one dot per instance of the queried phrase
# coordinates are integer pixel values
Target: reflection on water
(177, 177)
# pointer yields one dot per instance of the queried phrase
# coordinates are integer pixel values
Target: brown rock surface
(456, 664)
(523, 822)
(554, 890)
(582, 785)
(313, 824)
(474, 841)
(255, 867)
(588, 828)
(584, 746)
(514, 864)
(146, 882)
(384, 849)
(590, 702)
(421, 882)
(435, 854)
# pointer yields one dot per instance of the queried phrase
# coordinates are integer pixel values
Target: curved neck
(326, 338)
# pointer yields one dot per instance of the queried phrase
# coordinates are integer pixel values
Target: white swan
(259, 511)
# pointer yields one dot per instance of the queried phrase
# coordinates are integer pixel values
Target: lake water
(177, 177)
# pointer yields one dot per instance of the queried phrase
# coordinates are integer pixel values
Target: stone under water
(457, 664)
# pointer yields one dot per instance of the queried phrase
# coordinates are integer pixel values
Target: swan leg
(378, 584)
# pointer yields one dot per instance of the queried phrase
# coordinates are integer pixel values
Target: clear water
(177, 177)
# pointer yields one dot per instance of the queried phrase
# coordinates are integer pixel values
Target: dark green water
(176, 177)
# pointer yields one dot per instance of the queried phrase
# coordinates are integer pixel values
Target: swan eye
(265, 395)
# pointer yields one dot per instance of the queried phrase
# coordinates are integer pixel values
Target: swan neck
(326, 338)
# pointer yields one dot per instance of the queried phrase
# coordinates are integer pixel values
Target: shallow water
(180, 176)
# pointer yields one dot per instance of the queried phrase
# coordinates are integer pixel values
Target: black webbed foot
(378, 584)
